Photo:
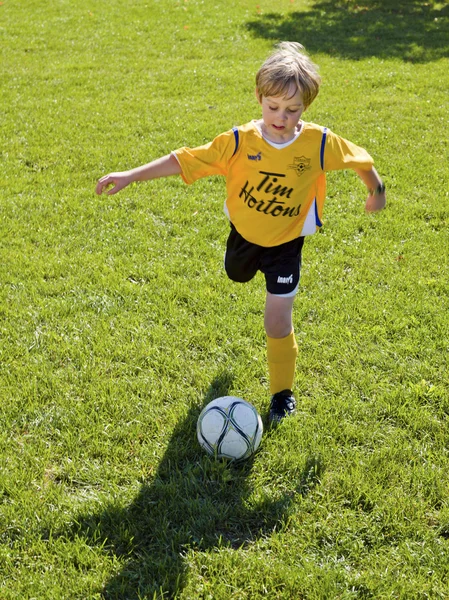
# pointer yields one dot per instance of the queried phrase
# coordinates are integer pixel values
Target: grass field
(117, 322)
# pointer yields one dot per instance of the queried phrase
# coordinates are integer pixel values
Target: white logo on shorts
(288, 279)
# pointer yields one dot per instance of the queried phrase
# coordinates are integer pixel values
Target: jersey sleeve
(343, 154)
(210, 159)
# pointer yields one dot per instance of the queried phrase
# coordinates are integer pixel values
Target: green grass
(117, 322)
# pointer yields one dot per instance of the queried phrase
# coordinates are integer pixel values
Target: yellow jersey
(271, 191)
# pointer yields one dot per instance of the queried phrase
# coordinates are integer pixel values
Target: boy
(275, 180)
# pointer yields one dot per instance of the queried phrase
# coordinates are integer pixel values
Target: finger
(103, 183)
(99, 188)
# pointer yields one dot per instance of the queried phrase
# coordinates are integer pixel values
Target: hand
(375, 202)
(118, 181)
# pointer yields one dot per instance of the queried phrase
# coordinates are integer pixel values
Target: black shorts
(281, 264)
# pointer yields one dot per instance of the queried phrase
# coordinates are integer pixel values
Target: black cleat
(282, 405)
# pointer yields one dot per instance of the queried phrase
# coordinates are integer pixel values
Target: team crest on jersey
(300, 165)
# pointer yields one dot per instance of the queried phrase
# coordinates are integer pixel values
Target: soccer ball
(229, 427)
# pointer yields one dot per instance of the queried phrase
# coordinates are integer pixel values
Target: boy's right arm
(162, 167)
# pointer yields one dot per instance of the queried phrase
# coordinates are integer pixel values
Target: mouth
(279, 127)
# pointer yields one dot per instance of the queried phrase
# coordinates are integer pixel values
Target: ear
(258, 96)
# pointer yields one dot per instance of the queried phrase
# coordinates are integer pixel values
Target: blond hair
(287, 65)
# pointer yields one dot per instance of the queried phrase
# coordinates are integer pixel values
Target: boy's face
(281, 114)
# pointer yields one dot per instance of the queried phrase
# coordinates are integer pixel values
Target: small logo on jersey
(288, 279)
(300, 165)
(255, 156)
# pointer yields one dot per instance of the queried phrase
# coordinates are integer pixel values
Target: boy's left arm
(376, 190)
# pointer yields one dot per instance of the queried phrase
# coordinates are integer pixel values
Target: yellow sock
(281, 354)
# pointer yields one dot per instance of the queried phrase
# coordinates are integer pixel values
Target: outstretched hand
(113, 183)
(375, 202)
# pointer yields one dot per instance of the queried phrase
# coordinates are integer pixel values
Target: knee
(278, 318)
(278, 325)
(237, 276)
(235, 272)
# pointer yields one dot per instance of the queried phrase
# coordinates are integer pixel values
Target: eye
(273, 108)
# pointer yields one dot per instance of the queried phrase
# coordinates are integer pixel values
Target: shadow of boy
(193, 502)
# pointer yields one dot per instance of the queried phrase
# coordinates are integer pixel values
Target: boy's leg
(282, 267)
(282, 348)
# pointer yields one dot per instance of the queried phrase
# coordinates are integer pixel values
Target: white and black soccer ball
(229, 427)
